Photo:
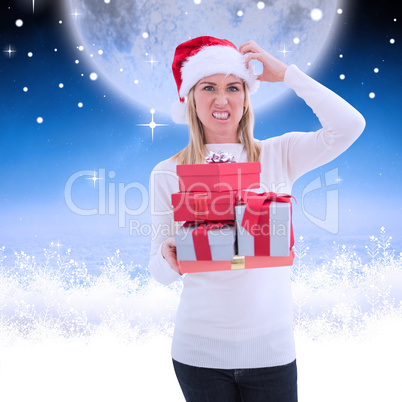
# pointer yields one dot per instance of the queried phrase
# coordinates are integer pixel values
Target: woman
(233, 338)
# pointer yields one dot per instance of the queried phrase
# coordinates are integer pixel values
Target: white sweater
(244, 319)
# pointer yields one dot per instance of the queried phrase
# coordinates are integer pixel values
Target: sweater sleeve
(341, 125)
(163, 182)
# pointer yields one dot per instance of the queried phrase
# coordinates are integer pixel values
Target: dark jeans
(270, 384)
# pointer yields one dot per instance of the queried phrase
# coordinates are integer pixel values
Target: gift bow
(200, 237)
(220, 157)
(257, 213)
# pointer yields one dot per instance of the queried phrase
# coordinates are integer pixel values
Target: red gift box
(203, 206)
(219, 176)
(238, 263)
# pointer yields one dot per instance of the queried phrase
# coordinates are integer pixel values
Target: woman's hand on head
(273, 69)
(168, 251)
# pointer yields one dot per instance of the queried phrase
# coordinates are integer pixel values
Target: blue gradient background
(36, 160)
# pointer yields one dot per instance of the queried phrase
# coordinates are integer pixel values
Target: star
(152, 124)
(94, 178)
(152, 61)
(284, 51)
(10, 51)
(75, 14)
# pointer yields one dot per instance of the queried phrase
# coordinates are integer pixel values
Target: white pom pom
(179, 112)
(253, 85)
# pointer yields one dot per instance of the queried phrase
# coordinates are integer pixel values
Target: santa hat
(204, 56)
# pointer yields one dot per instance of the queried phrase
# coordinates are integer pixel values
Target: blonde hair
(194, 152)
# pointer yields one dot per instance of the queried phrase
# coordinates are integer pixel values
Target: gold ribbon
(238, 262)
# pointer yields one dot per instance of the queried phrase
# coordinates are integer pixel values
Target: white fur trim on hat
(179, 112)
(212, 60)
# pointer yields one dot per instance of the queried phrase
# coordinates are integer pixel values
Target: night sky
(88, 126)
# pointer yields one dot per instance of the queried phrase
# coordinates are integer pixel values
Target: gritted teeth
(221, 116)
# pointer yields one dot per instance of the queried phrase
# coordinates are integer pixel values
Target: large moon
(131, 42)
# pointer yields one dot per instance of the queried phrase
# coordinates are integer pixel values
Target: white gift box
(221, 243)
(279, 231)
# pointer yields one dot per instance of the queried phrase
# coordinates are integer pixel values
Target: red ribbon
(200, 238)
(256, 216)
(201, 206)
